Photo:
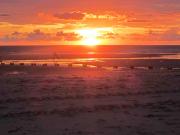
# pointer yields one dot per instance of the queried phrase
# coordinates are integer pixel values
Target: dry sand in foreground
(76, 101)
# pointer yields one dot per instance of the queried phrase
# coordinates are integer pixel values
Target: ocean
(108, 51)
(104, 55)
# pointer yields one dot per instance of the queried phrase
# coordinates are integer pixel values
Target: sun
(90, 37)
(91, 41)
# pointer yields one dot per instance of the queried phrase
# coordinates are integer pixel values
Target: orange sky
(94, 22)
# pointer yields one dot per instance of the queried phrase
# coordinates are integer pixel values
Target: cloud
(109, 35)
(38, 35)
(172, 34)
(70, 16)
(4, 15)
(84, 16)
(15, 36)
(68, 36)
(26, 14)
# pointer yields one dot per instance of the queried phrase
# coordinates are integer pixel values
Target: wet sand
(88, 101)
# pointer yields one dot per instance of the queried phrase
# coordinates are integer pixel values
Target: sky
(89, 22)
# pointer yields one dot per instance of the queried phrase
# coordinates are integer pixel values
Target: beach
(89, 101)
(89, 67)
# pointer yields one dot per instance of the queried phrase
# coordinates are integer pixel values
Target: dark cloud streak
(70, 16)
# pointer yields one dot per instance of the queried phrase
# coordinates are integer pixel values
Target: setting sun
(90, 37)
